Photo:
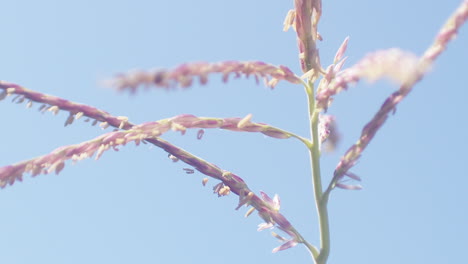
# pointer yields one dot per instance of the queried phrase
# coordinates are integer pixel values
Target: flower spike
(184, 75)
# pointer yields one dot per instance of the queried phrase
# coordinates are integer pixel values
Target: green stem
(320, 200)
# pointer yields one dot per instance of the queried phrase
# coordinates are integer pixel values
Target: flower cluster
(183, 75)
(182, 122)
(397, 65)
(55, 160)
(267, 208)
(270, 214)
(328, 132)
(401, 67)
(417, 68)
(304, 19)
(53, 104)
(448, 32)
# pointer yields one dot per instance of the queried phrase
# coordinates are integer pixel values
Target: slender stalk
(320, 200)
(313, 250)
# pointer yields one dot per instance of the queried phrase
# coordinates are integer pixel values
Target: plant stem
(320, 200)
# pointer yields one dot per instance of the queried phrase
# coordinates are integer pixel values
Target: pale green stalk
(320, 200)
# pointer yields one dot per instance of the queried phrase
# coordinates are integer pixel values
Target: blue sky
(136, 206)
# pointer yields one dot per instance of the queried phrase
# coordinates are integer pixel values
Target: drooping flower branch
(447, 33)
(55, 161)
(181, 122)
(54, 104)
(184, 75)
(268, 210)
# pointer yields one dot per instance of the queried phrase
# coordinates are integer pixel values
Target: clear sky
(136, 206)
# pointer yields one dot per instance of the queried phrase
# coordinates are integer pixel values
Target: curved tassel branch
(447, 33)
(183, 75)
(55, 161)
